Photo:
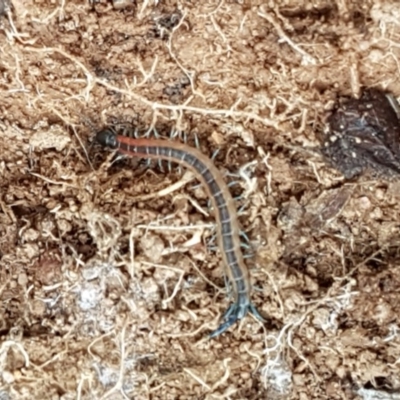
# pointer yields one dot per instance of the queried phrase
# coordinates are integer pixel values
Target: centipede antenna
(238, 198)
(214, 154)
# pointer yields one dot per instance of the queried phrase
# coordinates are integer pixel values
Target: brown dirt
(109, 295)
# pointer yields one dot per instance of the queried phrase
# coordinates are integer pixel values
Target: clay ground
(108, 284)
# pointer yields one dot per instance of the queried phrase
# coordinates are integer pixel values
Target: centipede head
(107, 138)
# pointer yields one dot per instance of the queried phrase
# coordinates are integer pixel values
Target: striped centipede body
(225, 211)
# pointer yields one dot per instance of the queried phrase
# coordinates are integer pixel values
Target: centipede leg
(241, 209)
(256, 313)
(160, 165)
(245, 246)
(147, 133)
(232, 183)
(247, 256)
(238, 198)
(232, 175)
(196, 141)
(228, 290)
(174, 133)
(156, 134)
(212, 239)
(195, 186)
(243, 234)
(214, 154)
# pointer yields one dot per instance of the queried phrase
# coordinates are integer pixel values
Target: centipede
(228, 227)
